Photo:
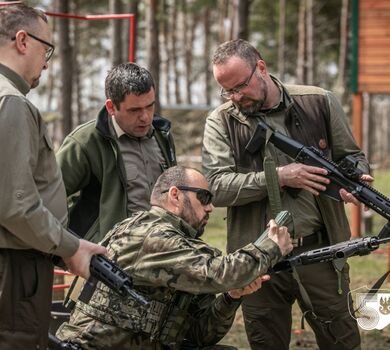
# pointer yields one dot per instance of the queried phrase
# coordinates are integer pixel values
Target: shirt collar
(176, 221)
(120, 132)
(15, 79)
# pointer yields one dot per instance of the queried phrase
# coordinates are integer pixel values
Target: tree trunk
(190, 20)
(342, 62)
(116, 33)
(301, 44)
(65, 52)
(174, 57)
(232, 19)
(152, 46)
(187, 47)
(166, 51)
(132, 8)
(309, 44)
(222, 20)
(281, 37)
(242, 22)
(206, 26)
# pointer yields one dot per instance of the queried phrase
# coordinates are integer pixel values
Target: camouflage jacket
(179, 274)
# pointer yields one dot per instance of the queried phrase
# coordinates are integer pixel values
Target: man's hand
(281, 237)
(297, 175)
(250, 288)
(349, 198)
(79, 263)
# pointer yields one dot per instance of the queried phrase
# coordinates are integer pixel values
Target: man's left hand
(250, 288)
(349, 198)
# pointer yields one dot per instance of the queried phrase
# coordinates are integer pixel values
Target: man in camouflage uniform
(176, 271)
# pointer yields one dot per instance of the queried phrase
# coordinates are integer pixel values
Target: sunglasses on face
(204, 196)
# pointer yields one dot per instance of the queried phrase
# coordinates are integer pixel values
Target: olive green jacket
(179, 274)
(33, 201)
(237, 178)
(94, 174)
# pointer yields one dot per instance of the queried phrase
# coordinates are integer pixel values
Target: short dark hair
(127, 78)
(239, 48)
(175, 176)
(16, 17)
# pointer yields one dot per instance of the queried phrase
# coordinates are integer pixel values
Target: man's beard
(253, 108)
(256, 105)
(189, 216)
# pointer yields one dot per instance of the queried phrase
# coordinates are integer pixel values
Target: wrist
(231, 299)
(280, 176)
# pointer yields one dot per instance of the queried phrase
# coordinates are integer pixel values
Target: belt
(315, 238)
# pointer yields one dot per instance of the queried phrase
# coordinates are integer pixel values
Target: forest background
(302, 41)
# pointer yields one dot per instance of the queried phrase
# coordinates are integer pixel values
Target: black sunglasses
(49, 50)
(204, 196)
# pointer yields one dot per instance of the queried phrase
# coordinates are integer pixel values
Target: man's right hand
(309, 178)
(79, 263)
(281, 237)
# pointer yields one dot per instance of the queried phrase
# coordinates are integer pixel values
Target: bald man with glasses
(177, 272)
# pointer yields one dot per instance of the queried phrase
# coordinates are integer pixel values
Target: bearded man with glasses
(314, 117)
(33, 202)
(177, 272)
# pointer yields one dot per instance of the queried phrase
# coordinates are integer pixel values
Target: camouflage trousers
(91, 334)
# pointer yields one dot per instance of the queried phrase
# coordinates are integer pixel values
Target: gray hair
(17, 17)
(127, 78)
(239, 48)
(174, 176)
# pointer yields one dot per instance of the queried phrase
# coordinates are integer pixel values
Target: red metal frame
(61, 273)
(128, 16)
(9, 2)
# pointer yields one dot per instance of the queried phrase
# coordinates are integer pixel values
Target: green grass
(364, 272)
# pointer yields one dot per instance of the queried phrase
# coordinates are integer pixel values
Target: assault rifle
(359, 246)
(343, 175)
(110, 274)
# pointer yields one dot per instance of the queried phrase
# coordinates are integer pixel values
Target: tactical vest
(166, 320)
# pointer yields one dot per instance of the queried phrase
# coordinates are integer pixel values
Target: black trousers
(267, 313)
(26, 279)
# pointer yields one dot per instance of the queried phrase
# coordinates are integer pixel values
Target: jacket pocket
(131, 173)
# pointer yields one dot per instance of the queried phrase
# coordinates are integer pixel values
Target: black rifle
(359, 246)
(343, 175)
(56, 344)
(110, 274)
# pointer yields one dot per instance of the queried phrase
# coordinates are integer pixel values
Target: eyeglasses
(204, 196)
(49, 50)
(229, 93)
